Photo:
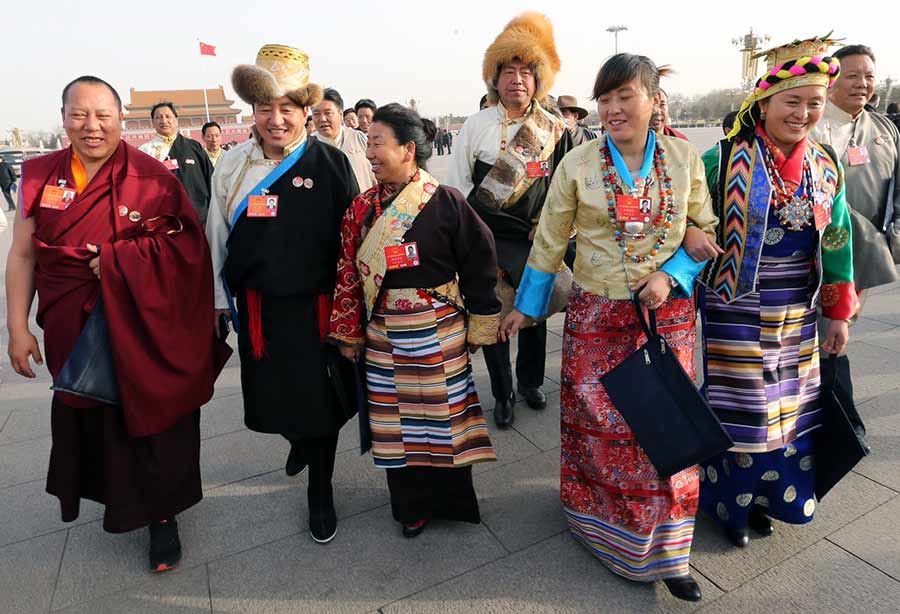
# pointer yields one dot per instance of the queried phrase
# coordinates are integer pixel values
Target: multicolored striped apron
(423, 406)
(763, 383)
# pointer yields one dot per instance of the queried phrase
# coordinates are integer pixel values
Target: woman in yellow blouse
(630, 195)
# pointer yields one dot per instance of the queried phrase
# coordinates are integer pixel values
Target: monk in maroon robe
(103, 220)
(659, 121)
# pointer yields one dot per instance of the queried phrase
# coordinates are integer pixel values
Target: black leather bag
(89, 371)
(365, 430)
(669, 417)
(839, 446)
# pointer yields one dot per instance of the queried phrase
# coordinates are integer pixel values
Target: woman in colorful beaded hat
(785, 231)
(638, 524)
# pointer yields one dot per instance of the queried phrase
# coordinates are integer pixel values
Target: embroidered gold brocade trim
(483, 329)
(406, 298)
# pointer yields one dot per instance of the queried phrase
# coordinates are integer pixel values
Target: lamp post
(749, 44)
(614, 30)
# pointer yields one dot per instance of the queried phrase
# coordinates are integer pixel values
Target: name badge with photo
(821, 210)
(858, 156)
(262, 206)
(633, 209)
(57, 197)
(536, 169)
(401, 256)
(172, 165)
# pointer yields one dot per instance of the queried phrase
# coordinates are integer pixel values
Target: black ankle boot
(759, 522)
(322, 518)
(296, 462)
(165, 547)
(320, 454)
(684, 587)
(534, 396)
(738, 537)
(504, 412)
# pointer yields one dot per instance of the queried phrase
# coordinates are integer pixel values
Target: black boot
(684, 587)
(504, 412)
(534, 396)
(738, 537)
(165, 547)
(759, 522)
(322, 516)
(296, 461)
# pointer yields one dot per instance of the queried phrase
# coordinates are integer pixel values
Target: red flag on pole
(207, 49)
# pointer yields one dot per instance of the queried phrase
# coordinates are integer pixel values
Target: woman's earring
(762, 116)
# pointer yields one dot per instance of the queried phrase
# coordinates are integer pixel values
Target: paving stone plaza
(247, 548)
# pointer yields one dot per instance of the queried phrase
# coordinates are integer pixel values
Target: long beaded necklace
(794, 212)
(663, 221)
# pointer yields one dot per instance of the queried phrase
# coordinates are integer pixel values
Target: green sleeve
(837, 240)
(711, 165)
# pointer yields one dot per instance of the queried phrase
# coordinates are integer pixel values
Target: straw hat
(279, 71)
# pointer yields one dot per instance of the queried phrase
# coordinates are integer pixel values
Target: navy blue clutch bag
(837, 435)
(89, 371)
(670, 419)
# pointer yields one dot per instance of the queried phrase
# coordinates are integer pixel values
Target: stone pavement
(247, 548)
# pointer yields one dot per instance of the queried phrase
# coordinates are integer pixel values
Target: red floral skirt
(639, 525)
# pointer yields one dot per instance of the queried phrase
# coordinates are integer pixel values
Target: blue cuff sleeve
(684, 270)
(533, 295)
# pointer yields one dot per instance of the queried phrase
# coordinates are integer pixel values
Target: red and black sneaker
(165, 547)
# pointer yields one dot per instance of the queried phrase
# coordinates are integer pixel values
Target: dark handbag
(839, 446)
(89, 371)
(670, 419)
(342, 376)
(365, 430)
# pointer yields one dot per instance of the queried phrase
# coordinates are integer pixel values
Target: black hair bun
(430, 129)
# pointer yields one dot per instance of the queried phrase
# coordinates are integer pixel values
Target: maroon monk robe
(156, 280)
(670, 131)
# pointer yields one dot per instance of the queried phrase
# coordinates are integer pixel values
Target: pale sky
(387, 51)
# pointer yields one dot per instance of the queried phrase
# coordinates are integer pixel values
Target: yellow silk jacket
(577, 201)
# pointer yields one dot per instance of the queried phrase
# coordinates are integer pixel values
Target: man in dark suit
(185, 157)
(7, 180)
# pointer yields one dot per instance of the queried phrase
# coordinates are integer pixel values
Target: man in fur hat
(505, 157)
(278, 260)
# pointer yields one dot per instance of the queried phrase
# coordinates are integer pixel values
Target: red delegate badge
(262, 206)
(401, 256)
(172, 165)
(858, 156)
(56, 197)
(633, 209)
(821, 210)
(536, 169)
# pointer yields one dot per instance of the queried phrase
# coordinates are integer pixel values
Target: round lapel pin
(135, 216)
(123, 210)
(297, 182)
(308, 183)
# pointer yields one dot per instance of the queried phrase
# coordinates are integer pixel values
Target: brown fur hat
(279, 71)
(529, 39)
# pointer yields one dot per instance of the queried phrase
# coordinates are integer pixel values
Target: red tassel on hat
(254, 315)
(323, 307)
